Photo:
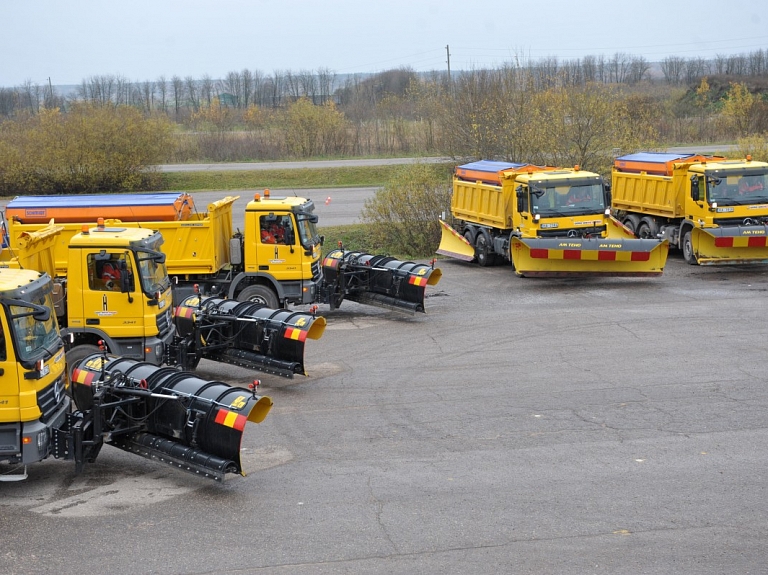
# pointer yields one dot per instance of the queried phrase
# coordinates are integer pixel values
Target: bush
(404, 214)
(88, 149)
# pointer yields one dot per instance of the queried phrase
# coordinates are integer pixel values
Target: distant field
(362, 176)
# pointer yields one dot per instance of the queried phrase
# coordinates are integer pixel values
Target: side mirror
(290, 239)
(127, 284)
(42, 313)
(695, 188)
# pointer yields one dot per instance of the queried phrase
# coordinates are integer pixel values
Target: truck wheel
(259, 294)
(483, 251)
(647, 229)
(688, 254)
(470, 240)
(632, 223)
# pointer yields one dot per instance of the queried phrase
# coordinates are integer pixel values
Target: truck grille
(50, 398)
(727, 222)
(316, 271)
(163, 322)
(575, 232)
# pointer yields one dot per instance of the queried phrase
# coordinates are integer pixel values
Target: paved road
(334, 206)
(296, 165)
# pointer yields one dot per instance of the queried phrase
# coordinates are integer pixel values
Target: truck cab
(281, 249)
(559, 203)
(33, 384)
(117, 290)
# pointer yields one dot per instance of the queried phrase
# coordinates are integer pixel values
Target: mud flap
(170, 416)
(247, 334)
(454, 245)
(380, 281)
(731, 245)
(574, 257)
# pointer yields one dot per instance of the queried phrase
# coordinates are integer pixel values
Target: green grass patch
(358, 237)
(362, 176)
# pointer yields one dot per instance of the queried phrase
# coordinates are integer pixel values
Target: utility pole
(448, 55)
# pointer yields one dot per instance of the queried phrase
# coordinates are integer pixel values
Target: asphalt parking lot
(520, 426)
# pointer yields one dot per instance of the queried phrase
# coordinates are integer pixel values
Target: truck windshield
(306, 223)
(154, 274)
(737, 189)
(30, 335)
(568, 200)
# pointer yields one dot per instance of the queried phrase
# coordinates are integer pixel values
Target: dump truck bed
(165, 206)
(659, 163)
(197, 245)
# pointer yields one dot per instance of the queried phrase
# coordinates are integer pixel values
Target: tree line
(577, 112)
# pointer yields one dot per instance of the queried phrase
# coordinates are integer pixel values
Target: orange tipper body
(170, 206)
(715, 210)
(548, 221)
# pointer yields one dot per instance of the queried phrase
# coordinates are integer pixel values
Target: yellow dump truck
(549, 222)
(276, 259)
(33, 383)
(111, 285)
(159, 413)
(714, 209)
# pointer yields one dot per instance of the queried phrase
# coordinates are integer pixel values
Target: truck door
(277, 248)
(111, 300)
(9, 383)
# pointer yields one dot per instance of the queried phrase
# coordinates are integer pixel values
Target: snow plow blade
(731, 245)
(454, 245)
(246, 334)
(577, 257)
(380, 281)
(163, 414)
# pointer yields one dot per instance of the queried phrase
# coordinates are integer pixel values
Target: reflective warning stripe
(183, 311)
(417, 281)
(741, 242)
(83, 376)
(594, 255)
(230, 419)
(294, 333)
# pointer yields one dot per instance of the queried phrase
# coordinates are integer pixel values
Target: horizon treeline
(180, 97)
(581, 112)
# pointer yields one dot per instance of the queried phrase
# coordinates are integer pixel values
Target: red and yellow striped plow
(731, 245)
(574, 257)
(453, 244)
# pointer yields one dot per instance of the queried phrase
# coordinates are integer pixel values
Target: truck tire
(259, 294)
(632, 223)
(687, 247)
(485, 257)
(647, 229)
(471, 241)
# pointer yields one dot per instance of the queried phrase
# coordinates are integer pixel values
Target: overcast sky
(69, 41)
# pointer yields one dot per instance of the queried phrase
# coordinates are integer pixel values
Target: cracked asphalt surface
(611, 426)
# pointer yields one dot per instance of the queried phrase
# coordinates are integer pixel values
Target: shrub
(88, 149)
(404, 213)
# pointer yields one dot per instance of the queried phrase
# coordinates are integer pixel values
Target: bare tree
(162, 89)
(233, 85)
(638, 70)
(193, 92)
(672, 67)
(618, 68)
(308, 83)
(325, 83)
(207, 90)
(177, 93)
(246, 79)
(695, 68)
(292, 86)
